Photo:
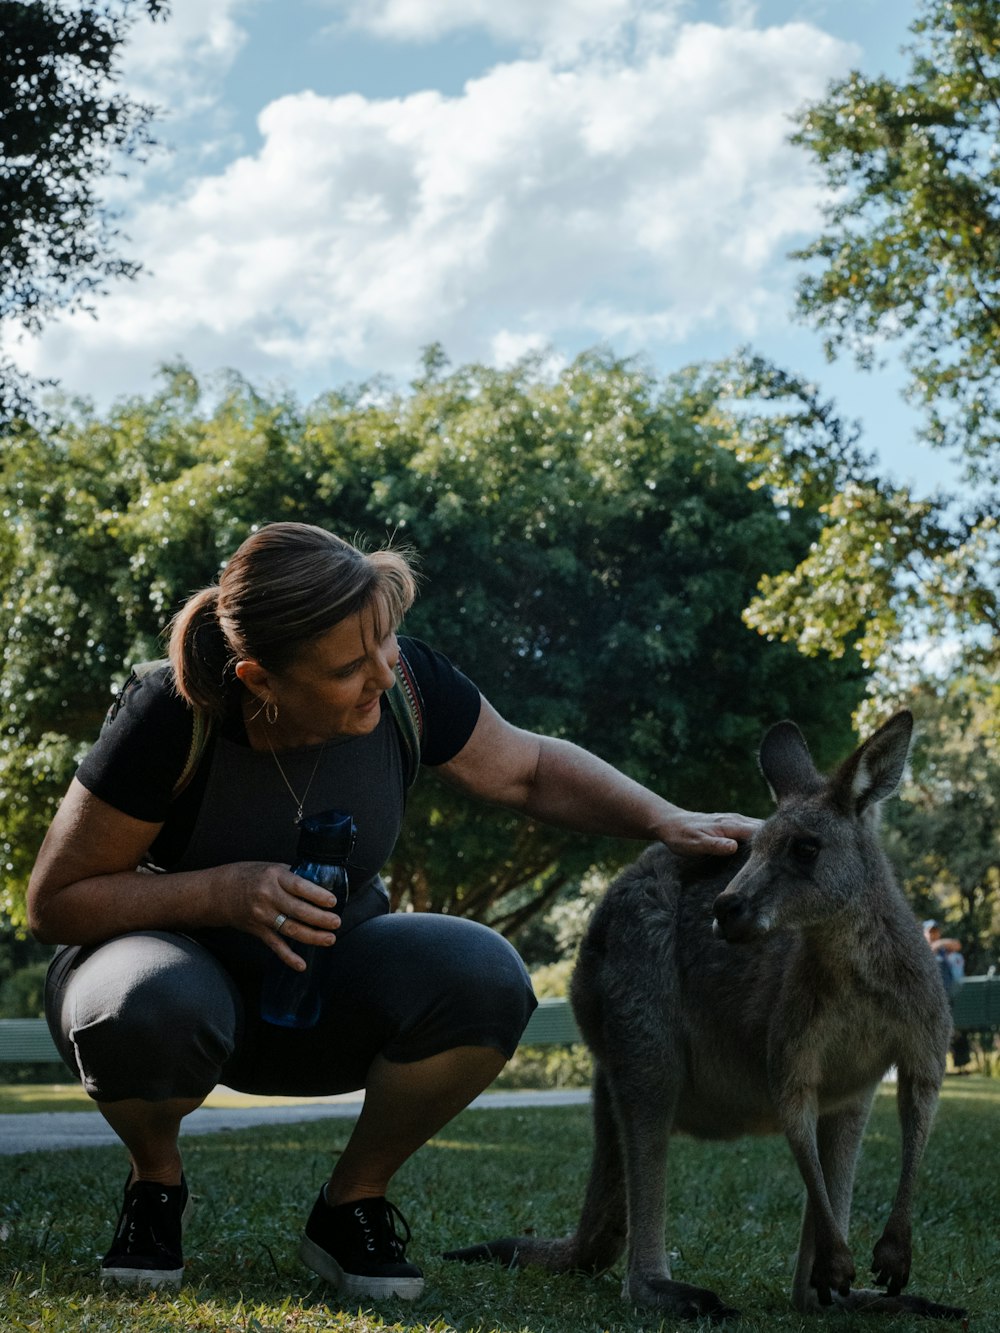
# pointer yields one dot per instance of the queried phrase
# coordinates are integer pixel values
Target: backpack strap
(407, 706)
(404, 698)
(201, 730)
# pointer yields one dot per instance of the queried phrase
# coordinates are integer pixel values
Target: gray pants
(156, 1015)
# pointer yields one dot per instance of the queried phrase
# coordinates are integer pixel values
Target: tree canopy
(587, 544)
(945, 835)
(911, 249)
(910, 252)
(63, 125)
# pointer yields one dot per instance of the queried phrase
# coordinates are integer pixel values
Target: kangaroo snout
(735, 919)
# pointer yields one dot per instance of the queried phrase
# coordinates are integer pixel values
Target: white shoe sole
(142, 1277)
(356, 1284)
(149, 1277)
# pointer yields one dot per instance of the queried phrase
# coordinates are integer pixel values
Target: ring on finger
(279, 921)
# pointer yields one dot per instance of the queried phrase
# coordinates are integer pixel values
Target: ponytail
(199, 654)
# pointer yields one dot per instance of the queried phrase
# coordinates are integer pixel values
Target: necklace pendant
(299, 805)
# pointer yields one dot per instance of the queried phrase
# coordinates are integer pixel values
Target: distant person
(951, 964)
(948, 953)
(169, 903)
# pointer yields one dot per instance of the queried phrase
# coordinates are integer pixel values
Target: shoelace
(138, 1227)
(383, 1224)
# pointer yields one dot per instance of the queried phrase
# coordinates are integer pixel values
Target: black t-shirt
(143, 746)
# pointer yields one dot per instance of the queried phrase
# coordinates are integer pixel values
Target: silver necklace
(284, 777)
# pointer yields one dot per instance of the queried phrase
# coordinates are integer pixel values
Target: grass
(732, 1226)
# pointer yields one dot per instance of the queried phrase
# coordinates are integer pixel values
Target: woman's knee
(481, 961)
(476, 990)
(148, 1015)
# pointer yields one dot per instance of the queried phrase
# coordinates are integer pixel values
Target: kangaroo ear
(875, 770)
(786, 762)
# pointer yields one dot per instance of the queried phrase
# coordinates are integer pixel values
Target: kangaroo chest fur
(737, 1022)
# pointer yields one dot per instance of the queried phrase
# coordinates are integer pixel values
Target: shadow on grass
(732, 1226)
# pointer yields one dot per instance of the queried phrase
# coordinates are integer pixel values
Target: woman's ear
(254, 677)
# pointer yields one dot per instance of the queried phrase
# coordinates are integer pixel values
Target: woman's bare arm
(560, 783)
(85, 886)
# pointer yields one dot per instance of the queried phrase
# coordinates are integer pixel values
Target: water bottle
(292, 999)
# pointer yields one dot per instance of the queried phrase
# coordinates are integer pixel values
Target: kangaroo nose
(732, 916)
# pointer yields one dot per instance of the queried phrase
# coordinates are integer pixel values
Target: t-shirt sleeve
(142, 748)
(449, 700)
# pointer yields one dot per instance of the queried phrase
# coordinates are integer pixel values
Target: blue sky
(349, 180)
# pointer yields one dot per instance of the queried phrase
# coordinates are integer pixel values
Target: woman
(155, 997)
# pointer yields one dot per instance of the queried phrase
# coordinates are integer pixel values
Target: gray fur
(766, 994)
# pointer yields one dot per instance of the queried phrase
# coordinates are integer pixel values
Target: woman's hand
(268, 901)
(85, 887)
(689, 833)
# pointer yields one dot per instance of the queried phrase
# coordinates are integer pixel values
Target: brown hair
(286, 585)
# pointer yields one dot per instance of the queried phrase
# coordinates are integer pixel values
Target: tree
(945, 836)
(911, 251)
(588, 543)
(62, 128)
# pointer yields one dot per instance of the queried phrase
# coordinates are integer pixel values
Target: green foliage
(23, 964)
(588, 543)
(911, 251)
(945, 836)
(548, 1067)
(912, 245)
(884, 569)
(63, 126)
(22, 995)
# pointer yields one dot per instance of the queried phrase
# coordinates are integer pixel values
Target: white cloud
(563, 29)
(642, 200)
(179, 63)
(507, 347)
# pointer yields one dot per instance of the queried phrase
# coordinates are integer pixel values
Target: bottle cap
(325, 837)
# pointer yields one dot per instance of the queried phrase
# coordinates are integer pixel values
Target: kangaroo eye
(805, 849)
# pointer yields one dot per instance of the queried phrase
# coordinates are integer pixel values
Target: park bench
(27, 1041)
(975, 1006)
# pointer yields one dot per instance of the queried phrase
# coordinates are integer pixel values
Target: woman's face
(335, 686)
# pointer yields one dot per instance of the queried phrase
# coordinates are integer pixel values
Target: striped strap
(408, 710)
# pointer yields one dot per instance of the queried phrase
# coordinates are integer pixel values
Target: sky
(343, 182)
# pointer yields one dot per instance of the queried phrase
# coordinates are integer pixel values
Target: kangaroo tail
(600, 1234)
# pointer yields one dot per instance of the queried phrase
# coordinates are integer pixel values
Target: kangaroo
(765, 994)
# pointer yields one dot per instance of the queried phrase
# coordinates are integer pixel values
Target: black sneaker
(356, 1247)
(146, 1250)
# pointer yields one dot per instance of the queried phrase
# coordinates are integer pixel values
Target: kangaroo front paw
(891, 1262)
(677, 1298)
(832, 1271)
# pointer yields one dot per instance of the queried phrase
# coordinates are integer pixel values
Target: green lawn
(732, 1226)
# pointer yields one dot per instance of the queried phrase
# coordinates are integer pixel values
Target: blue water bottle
(292, 999)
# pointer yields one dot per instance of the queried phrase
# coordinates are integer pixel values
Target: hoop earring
(271, 712)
